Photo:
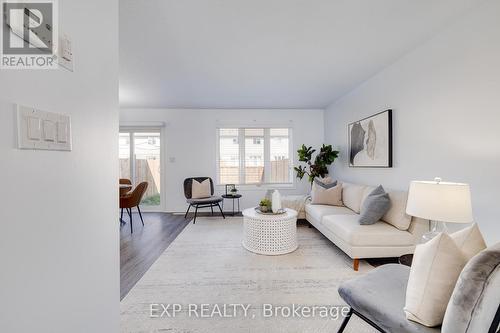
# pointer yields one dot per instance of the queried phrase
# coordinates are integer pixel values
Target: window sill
(260, 187)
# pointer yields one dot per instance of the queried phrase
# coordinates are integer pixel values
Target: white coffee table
(270, 234)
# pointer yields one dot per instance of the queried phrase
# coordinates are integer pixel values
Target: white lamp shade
(440, 201)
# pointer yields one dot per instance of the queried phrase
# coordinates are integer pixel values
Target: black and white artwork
(370, 141)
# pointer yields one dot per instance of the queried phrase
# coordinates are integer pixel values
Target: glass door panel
(124, 155)
(147, 165)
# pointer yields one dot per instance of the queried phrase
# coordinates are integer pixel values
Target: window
(263, 157)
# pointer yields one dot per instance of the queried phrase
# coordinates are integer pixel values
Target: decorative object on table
(232, 197)
(318, 168)
(269, 211)
(321, 195)
(439, 202)
(375, 206)
(133, 199)
(231, 189)
(210, 201)
(270, 234)
(276, 201)
(370, 141)
(265, 205)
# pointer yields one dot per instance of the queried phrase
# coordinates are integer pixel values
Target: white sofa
(396, 234)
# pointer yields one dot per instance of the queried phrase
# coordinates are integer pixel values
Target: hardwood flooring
(138, 251)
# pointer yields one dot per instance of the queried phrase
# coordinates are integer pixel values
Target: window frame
(267, 157)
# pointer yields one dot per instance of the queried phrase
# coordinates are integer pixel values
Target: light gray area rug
(206, 264)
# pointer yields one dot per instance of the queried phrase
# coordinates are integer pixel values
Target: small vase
(276, 202)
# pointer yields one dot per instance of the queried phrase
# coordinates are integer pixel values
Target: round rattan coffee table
(270, 234)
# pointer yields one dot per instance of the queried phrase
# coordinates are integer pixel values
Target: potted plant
(318, 168)
(265, 205)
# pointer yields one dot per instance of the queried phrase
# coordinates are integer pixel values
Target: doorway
(140, 153)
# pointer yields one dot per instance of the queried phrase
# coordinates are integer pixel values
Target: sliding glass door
(140, 161)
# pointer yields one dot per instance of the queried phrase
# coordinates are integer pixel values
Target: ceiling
(266, 53)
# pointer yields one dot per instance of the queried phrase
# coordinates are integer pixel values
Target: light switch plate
(37, 129)
(49, 131)
(33, 128)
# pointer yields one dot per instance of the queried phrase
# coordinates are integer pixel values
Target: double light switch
(39, 129)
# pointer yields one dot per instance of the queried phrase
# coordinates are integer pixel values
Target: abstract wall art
(370, 141)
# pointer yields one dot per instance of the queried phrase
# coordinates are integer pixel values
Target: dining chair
(125, 189)
(131, 200)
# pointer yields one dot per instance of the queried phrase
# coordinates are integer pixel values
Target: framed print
(370, 141)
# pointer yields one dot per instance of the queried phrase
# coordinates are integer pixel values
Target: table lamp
(439, 202)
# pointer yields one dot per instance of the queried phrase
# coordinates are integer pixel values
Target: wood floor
(138, 251)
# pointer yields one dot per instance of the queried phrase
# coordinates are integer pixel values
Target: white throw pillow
(469, 240)
(323, 196)
(352, 196)
(396, 215)
(434, 272)
(200, 190)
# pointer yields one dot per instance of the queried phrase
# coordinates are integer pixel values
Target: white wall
(191, 139)
(59, 229)
(446, 101)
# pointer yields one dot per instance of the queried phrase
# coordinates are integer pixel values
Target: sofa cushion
(326, 196)
(325, 182)
(396, 215)
(352, 195)
(318, 211)
(379, 295)
(374, 206)
(380, 233)
(435, 269)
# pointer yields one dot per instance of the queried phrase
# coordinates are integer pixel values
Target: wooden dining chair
(125, 181)
(131, 200)
(124, 190)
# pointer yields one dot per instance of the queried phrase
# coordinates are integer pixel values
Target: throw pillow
(352, 195)
(469, 240)
(376, 204)
(326, 196)
(396, 215)
(322, 183)
(434, 272)
(200, 190)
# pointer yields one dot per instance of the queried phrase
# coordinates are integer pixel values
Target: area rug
(207, 282)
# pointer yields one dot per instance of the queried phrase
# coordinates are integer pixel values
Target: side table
(233, 197)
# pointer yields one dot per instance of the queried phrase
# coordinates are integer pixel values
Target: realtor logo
(29, 34)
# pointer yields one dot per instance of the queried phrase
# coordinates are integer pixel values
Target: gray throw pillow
(323, 185)
(376, 204)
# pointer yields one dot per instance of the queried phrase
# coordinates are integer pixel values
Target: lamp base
(435, 228)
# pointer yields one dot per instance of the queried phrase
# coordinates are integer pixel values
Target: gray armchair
(212, 201)
(378, 298)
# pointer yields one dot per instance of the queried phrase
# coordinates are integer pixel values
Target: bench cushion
(379, 295)
(380, 233)
(209, 200)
